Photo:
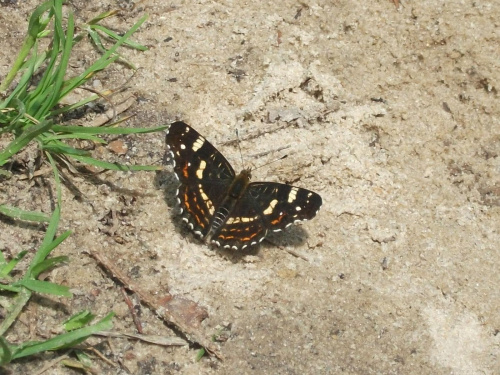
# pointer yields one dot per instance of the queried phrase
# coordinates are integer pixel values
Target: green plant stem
(35, 27)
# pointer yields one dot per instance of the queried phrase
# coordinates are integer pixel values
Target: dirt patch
(391, 115)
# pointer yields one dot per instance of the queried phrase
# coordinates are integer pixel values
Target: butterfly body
(226, 209)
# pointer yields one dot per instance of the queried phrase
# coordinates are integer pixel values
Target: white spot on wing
(292, 195)
(199, 172)
(270, 208)
(183, 146)
(206, 199)
(198, 144)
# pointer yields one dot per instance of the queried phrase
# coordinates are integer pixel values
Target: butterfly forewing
(203, 172)
(282, 205)
(266, 206)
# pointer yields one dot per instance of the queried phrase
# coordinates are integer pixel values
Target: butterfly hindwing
(243, 227)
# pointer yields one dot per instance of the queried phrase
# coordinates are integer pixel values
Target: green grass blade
(48, 243)
(35, 27)
(94, 35)
(17, 213)
(199, 355)
(63, 340)
(75, 136)
(15, 122)
(17, 144)
(39, 97)
(61, 148)
(66, 52)
(105, 130)
(8, 267)
(48, 91)
(115, 166)
(77, 81)
(46, 264)
(106, 59)
(45, 287)
(102, 16)
(37, 24)
(10, 288)
(115, 36)
(24, 82)
(5, 352)
(71, 107)
(84, 359)
(44, 251)
(78, 320)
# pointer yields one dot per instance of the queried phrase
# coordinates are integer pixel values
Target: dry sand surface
(390, 113)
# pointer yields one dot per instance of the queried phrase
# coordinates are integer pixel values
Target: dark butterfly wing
(282, 205)
(244, 226)
(205, 175)
(266, 206)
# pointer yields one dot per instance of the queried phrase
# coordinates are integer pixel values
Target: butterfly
(224, 208)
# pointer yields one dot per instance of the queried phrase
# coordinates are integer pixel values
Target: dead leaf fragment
(118, 147)
(186, 311)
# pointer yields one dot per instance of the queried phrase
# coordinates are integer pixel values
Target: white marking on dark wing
(269, 210)
(292, 195)
(201, 168)
(198, 144)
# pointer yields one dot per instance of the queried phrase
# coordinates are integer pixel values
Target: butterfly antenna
(272, 161)
(239, 146)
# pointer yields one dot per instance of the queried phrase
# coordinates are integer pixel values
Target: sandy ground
(390, 114)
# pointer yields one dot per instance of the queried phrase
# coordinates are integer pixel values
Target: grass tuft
(29, 116)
